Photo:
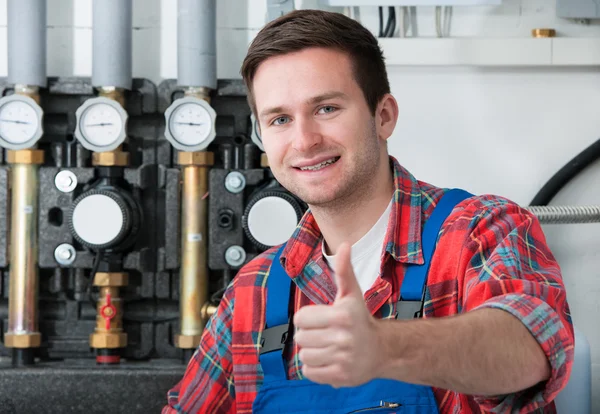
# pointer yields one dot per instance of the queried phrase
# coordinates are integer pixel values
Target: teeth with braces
(319, 166)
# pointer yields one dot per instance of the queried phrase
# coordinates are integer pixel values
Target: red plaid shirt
(491, 254)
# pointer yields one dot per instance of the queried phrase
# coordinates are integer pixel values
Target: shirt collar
(403, 236)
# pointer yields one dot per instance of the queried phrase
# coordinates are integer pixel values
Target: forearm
(483, 352)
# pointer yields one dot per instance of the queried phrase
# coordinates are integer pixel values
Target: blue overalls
(280, 395)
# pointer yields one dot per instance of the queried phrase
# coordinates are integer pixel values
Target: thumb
(346, 282)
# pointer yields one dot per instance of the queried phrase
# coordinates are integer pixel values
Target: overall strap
(274, 337)
(412, 292)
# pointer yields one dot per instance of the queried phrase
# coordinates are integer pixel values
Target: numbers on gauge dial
(101, 124)
(190, 124)
(18, 122)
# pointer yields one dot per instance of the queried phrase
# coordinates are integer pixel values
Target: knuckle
(299, 337)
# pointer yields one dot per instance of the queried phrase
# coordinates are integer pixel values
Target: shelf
(492, 51)
(412, 2)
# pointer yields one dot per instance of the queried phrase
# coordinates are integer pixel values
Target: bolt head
(235, 254)
(235, 182)
(66, 181)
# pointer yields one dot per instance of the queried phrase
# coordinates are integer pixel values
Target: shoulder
(254, 272)
(473, 211)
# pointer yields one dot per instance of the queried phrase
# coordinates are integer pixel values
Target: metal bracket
(409, 309)
(274, 338)
(277, 8)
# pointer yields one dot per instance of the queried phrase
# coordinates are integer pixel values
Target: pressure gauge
(190, 124)
(101, 124)
(256, 133)
(20, 122)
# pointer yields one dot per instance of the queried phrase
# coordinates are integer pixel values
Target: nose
(306, 135)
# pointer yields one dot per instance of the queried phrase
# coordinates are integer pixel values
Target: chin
(317, 197)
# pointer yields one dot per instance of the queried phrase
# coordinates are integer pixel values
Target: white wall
(497, 130)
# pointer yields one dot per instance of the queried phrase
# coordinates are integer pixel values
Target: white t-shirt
(366, 253)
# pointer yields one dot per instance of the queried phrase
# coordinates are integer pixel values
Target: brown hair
(302, 29)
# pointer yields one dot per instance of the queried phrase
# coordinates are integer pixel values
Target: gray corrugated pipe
(566, 214)
(27, 42)
(197, 43)
(111, 43)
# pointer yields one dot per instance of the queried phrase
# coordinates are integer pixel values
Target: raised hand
(339, 343)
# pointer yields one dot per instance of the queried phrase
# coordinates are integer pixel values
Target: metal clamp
(409, 309)
(274, 339)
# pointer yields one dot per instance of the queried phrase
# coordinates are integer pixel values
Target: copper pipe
(208, 310)
(111, 92)
(23, 286)
(198, 92)
(193, 275)
(31, 91)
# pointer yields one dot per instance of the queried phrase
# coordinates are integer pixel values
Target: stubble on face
(355, 183)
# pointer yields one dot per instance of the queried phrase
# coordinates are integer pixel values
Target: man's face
(316, 127)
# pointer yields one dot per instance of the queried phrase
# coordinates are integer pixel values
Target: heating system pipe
(197, 74)
(27, 71)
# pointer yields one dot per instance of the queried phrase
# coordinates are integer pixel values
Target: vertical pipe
(26, 37)
(23, 284)
(111, 43)
(197, 43)
(197, 72)
(194, 269)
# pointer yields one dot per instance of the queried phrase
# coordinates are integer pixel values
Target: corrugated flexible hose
(566, 214)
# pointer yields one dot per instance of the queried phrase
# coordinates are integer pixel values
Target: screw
(235, 182)
(235, 256)
(65, 254)
(65, 181)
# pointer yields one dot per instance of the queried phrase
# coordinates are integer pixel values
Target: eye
(281, 120)
(327, 109)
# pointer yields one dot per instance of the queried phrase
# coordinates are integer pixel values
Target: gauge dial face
(101, 124)
(190, 124)
(19, 122)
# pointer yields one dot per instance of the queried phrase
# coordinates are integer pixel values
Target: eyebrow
(314, 100)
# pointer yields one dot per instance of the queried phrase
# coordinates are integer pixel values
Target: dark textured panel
(82, 387)
(221, 200)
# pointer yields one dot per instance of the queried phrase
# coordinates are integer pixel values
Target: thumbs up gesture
(340, 343)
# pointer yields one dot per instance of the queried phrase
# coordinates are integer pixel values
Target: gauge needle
(188, 123)
(15, 122)
(100, 124)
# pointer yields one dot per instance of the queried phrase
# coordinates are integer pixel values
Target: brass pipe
(198, 92)
(208, 310)
(193, 275)
(31, 91)
(23, 282)
(111, 92)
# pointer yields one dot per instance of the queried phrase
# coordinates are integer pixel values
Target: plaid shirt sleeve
(207, 385)
(506, 264)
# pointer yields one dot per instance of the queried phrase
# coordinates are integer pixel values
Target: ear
(386, 116)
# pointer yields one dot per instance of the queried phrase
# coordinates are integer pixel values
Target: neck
(349, 219)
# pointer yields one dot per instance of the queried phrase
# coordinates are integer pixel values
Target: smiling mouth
(320, 165)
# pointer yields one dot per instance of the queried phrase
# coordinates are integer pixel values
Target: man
(496, 333)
